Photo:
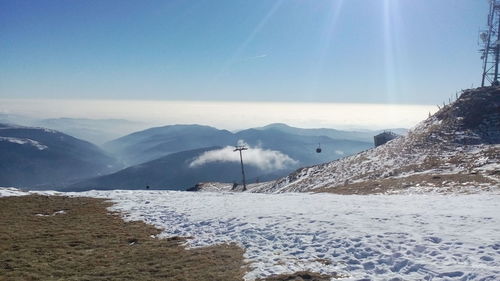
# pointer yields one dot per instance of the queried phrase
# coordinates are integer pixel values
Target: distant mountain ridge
(173, 172)
(147, 145)
(34, 157)
(365, 135)
(97, 131)
(153, 143)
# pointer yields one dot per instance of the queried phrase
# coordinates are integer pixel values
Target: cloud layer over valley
(264, 159)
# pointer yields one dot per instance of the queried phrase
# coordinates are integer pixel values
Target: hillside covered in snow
(455, 150)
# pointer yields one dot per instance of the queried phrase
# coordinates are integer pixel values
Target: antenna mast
(490, 53)
(241, 148)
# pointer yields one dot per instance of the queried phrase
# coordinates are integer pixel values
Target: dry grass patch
(302, 276)
(85, 242)
(444, 182)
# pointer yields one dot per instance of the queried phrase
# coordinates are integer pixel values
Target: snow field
(424, 237)
(377, 237)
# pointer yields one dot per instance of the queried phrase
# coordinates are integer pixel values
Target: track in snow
(428, 237)
(396, 237)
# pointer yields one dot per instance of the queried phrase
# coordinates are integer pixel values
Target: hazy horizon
(226, 115)
(237, 64)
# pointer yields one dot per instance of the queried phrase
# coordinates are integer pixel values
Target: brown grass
(88, 243)
(302, 276)
(378, 186)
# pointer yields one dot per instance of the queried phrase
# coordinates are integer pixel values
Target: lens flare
(391, 23)
(325, 45)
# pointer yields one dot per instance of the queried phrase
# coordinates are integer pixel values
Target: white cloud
(264, 159)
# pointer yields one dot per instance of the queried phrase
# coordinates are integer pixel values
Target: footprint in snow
(487, 258)
(434, 239)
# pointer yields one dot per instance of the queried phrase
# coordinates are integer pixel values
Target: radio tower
(490, 53)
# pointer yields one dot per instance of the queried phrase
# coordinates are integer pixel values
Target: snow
(60, 212)
(405, 156)
(445, 143)
(377, 237)
(11, 191)
(22, 141)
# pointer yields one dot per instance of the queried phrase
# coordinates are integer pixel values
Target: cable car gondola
(318, 150)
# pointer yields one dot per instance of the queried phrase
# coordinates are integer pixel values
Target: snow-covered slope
(456, 149)
(376, 237)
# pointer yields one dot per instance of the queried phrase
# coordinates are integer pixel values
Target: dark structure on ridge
(384, 137)
(490, 40)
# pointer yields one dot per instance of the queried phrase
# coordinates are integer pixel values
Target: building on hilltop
(384, 137)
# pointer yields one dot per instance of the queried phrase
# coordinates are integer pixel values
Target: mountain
(34, 157)
(455, 150)
(143, 146)
(157, 142)
(302, 147)
(364, 135)
(174, 172)
(97, 131)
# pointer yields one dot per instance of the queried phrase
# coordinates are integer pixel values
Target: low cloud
(264, 159)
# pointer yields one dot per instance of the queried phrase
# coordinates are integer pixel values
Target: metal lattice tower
(240, 148)
(490, 40)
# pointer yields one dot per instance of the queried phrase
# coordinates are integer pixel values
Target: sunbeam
(325, 45)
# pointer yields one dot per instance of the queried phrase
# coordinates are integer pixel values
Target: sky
(241, 52)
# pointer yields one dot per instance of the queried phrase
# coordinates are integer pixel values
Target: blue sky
(332, 51)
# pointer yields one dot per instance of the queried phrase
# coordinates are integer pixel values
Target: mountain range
(455, 150)
(156, 142)
(97, 131)
(159, 157)
(359, 135)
